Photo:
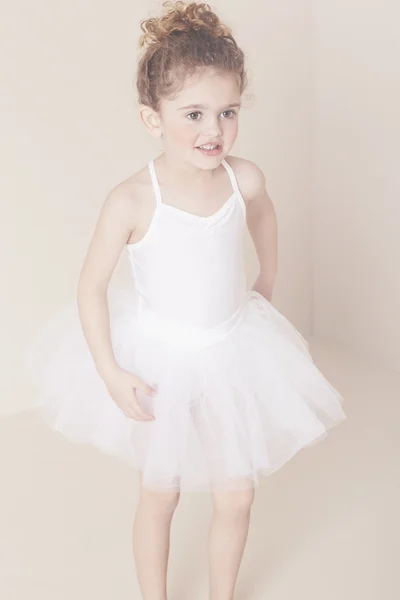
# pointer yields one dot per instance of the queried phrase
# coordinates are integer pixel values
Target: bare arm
(112, 230)
(262, 224)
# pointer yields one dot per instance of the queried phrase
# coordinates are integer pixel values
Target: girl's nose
(213, 128)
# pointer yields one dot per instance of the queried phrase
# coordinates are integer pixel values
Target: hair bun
(181, 18)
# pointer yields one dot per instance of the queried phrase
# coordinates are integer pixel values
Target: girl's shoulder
(134, 187)
(136, 190)
(132, 200)
(249, 176)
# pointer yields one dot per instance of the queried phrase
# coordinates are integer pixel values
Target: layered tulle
(225, 413)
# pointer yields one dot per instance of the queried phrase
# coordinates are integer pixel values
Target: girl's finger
(134, 403)
(132, 414)
(145, 387)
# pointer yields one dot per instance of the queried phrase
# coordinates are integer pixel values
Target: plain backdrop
(320, 117)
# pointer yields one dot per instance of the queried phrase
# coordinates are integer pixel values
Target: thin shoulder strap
(231, 174)
(234, 182)
(154, 181)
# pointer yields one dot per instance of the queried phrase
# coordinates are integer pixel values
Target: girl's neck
(177, 172)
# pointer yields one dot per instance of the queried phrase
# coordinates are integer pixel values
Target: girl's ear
(151, 120)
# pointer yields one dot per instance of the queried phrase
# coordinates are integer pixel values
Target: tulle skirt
(226, 412)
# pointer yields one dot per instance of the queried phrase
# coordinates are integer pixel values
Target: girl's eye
(193, 113)
(229, 111)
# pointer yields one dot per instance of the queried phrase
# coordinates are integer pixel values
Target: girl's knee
(234, 502)
(159, 503)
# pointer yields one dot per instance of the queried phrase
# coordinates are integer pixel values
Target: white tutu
(225, 413)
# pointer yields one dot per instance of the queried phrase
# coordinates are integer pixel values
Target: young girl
(200, 384)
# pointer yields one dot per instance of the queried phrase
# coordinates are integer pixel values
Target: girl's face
(205, 111)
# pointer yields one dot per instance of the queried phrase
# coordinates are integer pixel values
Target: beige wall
(71, 132)
(356, 176)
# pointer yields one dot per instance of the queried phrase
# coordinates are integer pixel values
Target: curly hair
(186, 39)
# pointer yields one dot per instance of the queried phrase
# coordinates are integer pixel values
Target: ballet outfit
(238, 393)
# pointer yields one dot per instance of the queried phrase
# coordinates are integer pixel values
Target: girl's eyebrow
(203, 106)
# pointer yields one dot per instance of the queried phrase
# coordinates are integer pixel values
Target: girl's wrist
(104, 370)
(263, 287)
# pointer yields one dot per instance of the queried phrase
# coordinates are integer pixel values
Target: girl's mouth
(210, 149)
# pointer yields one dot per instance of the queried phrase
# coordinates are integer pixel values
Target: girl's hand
(263, 288)
(122, 385)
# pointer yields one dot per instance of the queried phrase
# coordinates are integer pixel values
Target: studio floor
(324, 527)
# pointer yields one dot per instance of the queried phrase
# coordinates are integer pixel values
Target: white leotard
(189, 270)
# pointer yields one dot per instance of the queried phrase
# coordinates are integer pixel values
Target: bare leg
(151, 540)
(227, 538)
